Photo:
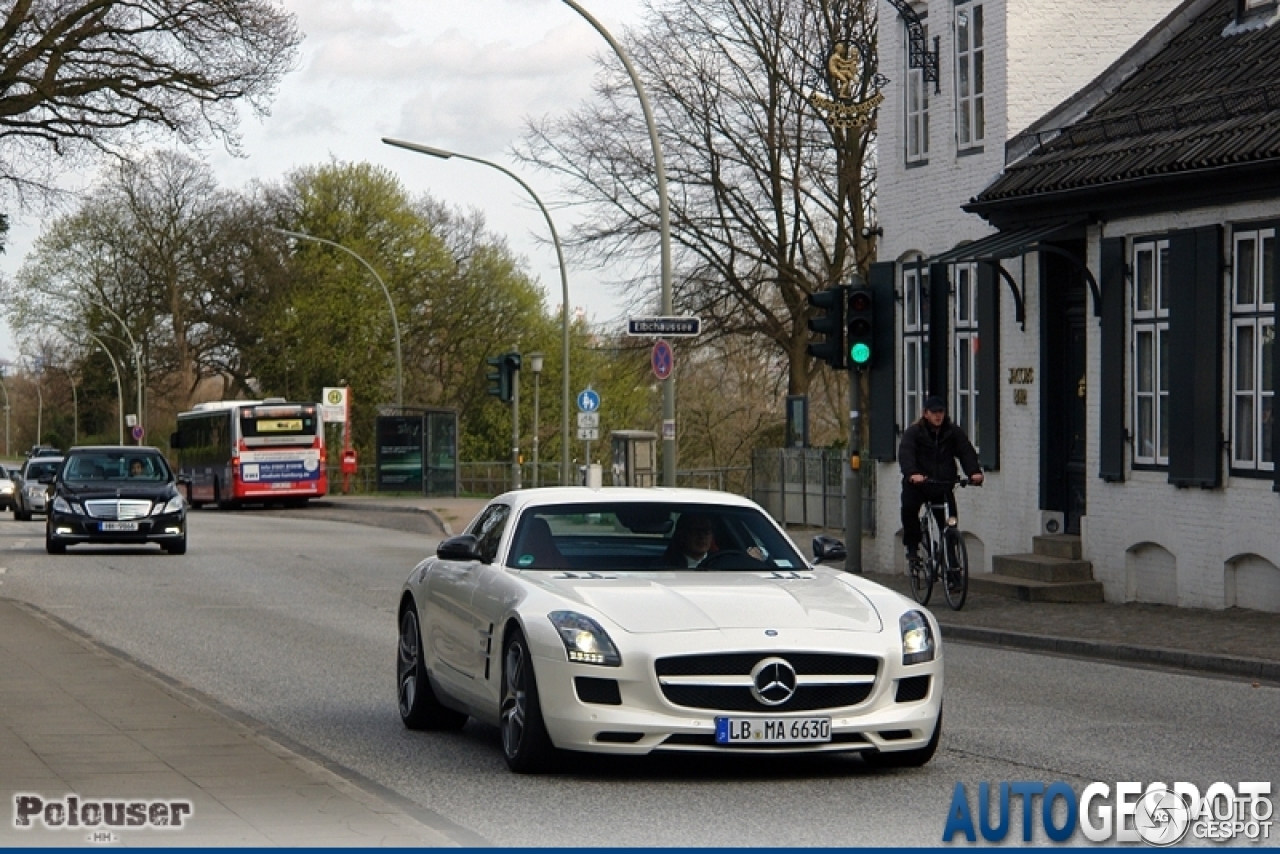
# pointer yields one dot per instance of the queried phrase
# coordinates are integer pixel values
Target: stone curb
(1221, 665)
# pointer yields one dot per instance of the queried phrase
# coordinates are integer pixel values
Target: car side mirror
(45, 478)
(462, 547)
(828, 549)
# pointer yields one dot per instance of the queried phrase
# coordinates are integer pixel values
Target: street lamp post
(565, 395)
(6, 413)
(137, 357)
(535, 365)
(119, 388)
(75, 407)
(664, 228)
(395, 322)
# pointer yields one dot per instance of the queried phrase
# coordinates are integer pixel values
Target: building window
(1151, 352)
(1253, 333)
(915, 340)
(917, 134)
(970, 76)
(966, 387)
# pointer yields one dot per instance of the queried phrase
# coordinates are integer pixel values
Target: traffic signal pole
(853, 479)
(515, 426)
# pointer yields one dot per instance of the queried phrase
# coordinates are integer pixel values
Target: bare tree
(83, 77)
(767, 200)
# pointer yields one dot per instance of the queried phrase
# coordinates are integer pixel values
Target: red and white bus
(251, 451)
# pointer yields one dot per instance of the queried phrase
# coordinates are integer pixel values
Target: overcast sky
(457, 74)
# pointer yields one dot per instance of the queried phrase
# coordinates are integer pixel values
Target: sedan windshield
(650, 536)
(115, 466)
(36, 471)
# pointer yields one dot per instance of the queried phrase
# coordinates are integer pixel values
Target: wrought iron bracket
(1019, 310)
(919, 54)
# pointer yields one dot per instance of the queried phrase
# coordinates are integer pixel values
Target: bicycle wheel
(921, 571)
(955, 573)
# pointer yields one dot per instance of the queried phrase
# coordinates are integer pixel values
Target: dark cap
(933, 403)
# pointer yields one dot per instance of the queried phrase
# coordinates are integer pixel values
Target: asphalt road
(289, 618)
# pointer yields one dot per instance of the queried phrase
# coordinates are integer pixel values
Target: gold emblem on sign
(845, 70)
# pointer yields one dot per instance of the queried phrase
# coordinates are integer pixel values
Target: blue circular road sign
(588, 401)
(663, 359)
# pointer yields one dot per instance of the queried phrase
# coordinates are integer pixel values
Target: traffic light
(830, 323)
(502, 377)
(861, 328)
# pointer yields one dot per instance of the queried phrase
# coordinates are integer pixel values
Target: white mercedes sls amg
(633, 620)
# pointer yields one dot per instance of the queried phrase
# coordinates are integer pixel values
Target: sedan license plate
(772, 730)
(119, 526)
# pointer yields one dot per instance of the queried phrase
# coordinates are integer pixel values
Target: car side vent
(913, 689)
(602, 692)
(895, 734)
(619, 737)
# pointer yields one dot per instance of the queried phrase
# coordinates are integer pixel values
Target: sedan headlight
(6, 488)
(35, 489)
(584, 640)
(174, 505)
(62, 505)
(917, 638)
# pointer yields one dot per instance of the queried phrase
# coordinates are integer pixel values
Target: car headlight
(34, 490)
(584, 640)
(61, 505)
(917, 638)
(6, 488)
(174, 505)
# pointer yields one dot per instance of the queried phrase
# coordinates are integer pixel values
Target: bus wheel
(217, 497)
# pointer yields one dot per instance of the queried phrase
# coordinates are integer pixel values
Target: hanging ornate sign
(847, 70)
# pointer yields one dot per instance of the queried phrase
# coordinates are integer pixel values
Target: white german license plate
(772, 730)
(119, 526)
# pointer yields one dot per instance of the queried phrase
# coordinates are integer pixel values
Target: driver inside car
(691, 542)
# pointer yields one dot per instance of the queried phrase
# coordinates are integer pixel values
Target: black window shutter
(882, 408)
(1195, 357)
(988, 367)
(939, 330)
(1111, 438)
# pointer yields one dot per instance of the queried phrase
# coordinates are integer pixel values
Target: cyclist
(928, 452)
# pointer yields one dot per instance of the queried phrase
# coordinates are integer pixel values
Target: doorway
(1063, 396)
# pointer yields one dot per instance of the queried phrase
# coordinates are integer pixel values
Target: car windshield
(37, 470)
(649, 536)
(115, 466)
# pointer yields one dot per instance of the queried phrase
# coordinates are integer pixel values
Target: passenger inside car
(692, 541)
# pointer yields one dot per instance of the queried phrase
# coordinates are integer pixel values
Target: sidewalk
(1235, 642)
(82, 721)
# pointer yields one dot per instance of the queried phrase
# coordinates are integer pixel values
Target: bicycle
(945, 557)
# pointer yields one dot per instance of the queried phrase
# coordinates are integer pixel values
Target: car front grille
(723, 682)
(114, 508)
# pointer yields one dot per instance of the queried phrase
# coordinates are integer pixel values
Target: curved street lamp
(395, 322)
(664, 227)
(565, 395)
(137, 355)
(119, 389)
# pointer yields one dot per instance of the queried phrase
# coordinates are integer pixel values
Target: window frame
(916, 120)
(965, 403)
(915, 339)
(970, 72)
(1152, 321)
(1257, 315)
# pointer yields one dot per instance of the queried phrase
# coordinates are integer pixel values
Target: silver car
(32, 494)
(7, 489)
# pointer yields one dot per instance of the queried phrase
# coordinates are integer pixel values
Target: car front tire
(419, 706)
(525, 743)
(177, 547)
(907, 758)
(52, 544)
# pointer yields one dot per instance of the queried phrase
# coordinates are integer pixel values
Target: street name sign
(670, 326)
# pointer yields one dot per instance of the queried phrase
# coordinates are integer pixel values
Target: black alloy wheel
(419, 706)
(525, 743)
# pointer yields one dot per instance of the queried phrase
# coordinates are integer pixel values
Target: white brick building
(1062, 413)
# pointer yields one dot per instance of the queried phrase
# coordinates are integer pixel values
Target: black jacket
(933, 453)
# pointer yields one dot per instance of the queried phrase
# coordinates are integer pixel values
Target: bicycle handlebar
(960, 481)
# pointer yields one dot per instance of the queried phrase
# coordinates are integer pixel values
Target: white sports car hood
(700, 601)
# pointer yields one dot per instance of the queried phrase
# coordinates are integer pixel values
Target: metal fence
(805, 487)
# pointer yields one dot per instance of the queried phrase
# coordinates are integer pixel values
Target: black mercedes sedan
(116, 494)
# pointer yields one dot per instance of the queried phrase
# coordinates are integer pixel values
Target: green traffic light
(860, 353)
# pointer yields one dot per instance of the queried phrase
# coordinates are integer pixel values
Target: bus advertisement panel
(247, 451)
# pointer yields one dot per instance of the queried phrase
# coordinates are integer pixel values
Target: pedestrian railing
(805, 487)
